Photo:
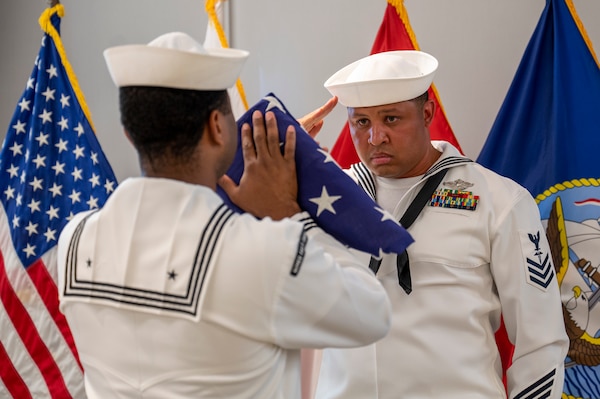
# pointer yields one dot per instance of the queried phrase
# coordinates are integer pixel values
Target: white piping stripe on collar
(365, 178)
(445, 163)
(367, 181)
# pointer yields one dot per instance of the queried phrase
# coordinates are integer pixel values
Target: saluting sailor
(480, 254)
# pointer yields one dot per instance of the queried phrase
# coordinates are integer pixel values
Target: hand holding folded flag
(337, 204)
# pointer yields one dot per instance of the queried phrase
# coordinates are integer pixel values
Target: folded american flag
(337, 204)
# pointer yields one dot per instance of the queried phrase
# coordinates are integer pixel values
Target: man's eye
(362, 122)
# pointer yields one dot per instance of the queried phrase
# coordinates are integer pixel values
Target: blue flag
(546, 137)
(51, 167)
(337, 204)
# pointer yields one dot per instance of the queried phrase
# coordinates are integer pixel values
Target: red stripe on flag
(30, 337)
(11, 378)
(49, 293)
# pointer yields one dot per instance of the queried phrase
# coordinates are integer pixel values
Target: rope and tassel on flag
(51, 167)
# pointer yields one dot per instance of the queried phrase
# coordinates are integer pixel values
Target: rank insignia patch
(540, 271)
(458, 199)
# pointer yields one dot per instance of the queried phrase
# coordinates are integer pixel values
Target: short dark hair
(422, 99)
(166, 123)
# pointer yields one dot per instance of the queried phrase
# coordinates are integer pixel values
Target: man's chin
(383, 171)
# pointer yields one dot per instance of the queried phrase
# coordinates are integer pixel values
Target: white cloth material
(383, 78)
(177, 61)
(467, 267)
(390, 189)
(169, 294)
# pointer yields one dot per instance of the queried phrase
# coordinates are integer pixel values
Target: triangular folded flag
(336, 203)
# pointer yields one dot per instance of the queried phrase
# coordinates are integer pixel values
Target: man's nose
(377, 135)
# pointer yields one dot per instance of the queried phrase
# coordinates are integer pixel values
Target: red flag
(395, 33)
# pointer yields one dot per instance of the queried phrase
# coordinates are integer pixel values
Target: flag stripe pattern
(51, 167)
(336, 203)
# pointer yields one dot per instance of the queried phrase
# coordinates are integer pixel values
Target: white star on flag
(328, 157)
(273, 103)
(325, 201)
(385, 214)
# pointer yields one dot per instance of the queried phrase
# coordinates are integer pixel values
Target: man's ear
(428, 112)
(214, 128)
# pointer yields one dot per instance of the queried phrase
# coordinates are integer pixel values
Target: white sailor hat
(383, 78)
(175, 60)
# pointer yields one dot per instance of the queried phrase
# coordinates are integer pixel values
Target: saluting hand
(313, 121)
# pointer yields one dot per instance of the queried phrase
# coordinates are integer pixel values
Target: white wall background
(295, 46)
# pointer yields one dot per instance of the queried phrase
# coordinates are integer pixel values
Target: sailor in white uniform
(170, 294)
(480, 253)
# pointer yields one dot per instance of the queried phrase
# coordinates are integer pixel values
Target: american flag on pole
(51, 167)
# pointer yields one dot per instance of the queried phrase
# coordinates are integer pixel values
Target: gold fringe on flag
(213, 18)
(581, 29)
(403, 14)
(48, 28)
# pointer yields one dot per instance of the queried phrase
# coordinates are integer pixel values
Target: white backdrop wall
(295, 46)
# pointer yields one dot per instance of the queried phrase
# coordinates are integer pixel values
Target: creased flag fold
(336, 203)
(51, 167)
(546, 137)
